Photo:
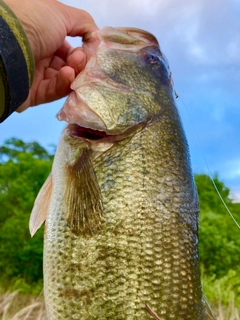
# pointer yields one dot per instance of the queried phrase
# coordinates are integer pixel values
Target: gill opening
(205, 161)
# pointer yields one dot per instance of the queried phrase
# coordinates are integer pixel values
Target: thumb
(77, 22)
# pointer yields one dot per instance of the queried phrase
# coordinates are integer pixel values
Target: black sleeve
(16, 63)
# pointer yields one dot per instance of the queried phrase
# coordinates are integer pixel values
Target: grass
(227, 313)
(18, 306)
(224, 295)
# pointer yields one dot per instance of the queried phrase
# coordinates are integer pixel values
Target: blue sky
(201, 40)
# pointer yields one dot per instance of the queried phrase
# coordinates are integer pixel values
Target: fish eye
(152, 58)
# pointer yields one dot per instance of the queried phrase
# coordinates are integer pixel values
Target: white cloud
(235, 196)
(205, 34)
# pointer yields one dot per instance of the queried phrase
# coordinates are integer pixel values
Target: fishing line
(206, 163)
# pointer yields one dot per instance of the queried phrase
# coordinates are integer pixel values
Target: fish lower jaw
(76, 111)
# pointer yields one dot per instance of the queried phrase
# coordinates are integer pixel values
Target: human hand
(47, 23)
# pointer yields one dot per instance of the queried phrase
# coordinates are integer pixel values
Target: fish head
(125, 83)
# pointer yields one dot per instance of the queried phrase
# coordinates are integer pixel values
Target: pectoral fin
(82, 199)
(41, 206)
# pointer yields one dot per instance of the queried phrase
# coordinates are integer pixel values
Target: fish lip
(141, 34)
(123, 38)
(84, 116)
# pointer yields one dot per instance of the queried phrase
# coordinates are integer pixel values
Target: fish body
(121, 233)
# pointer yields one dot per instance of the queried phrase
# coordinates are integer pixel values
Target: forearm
(16, 62)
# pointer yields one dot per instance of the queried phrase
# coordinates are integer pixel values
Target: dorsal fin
(82, 198)
(41, 206)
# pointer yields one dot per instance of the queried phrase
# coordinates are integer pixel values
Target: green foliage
(219, 244)
(23, 169)
(208, 196)
(13, 148)
(219, 237)
(225, 290)
(23, 287)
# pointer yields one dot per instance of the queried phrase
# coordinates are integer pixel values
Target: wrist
(23, 34)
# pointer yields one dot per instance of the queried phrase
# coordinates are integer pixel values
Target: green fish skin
(121, 207)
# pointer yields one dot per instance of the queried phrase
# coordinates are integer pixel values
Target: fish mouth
(97, 137)
(77, 131)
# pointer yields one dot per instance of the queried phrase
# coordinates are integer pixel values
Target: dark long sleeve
(16, 63)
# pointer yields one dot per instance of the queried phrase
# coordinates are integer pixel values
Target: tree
(219, 237)
(23, 169)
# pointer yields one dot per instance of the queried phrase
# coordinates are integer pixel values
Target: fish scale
(145, 252)
(121, 233)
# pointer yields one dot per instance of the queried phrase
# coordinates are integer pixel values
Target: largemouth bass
(121, 207)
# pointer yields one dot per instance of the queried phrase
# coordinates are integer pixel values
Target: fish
(120, 205)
